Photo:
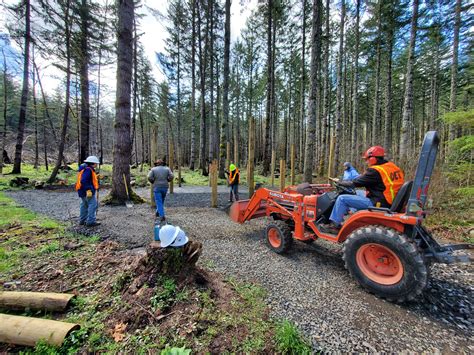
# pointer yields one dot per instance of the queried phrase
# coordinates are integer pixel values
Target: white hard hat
(168, 234)
(92, 159)
(181, 238)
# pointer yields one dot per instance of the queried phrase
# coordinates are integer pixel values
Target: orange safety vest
(393, 179)
(233, 176)
(95, 180)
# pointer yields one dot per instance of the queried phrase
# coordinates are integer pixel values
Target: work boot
(81, 223)
(330, 228)
(95, 224)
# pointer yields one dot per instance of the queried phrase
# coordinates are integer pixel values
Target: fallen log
(35, 300)
(28, 331)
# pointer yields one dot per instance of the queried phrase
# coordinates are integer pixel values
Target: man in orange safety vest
(382, 180)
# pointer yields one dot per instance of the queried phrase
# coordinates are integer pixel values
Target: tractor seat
(401, 199)
(304, 189)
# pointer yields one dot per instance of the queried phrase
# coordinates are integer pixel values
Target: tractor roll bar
(426, 162)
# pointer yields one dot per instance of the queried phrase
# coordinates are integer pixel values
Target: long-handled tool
(128, 203)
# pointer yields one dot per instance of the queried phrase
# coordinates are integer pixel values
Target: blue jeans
(88, 210)
(160, 194)
(234, 192)
(346, 202)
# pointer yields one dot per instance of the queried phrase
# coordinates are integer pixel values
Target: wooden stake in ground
(331, 157)
(282, 174)
(292, 164)
(250, 168)
(213, 172)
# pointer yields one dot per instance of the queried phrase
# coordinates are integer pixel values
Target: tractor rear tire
(279, 237)
(386, 263)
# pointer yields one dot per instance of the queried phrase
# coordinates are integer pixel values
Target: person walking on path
(160, 176)
(234, 179)
(350, 173)
(87, 185)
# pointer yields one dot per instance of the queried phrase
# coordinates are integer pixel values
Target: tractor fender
(397, 221)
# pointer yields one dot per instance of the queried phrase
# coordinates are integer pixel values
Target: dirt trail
(309, 286)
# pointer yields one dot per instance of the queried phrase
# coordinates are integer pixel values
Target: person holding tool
(160, 176)
(233, 179)
(87, 185)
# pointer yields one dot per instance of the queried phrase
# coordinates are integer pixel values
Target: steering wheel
(343, 189)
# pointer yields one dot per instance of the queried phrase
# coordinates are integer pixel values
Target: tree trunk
(193, 87)
(45, 104)
(84, 79)
(387, 138)
(268, 146)
(35, 113)
(314, 93)
(62, 143)
(408, 97)
(453, 129)
(122, 146)
(326, 93)
(24, 93)
(225, 141)
(355, 90)
(303, 67)
(5, 104)
(337, 135)
(202, 74)
(375, 140)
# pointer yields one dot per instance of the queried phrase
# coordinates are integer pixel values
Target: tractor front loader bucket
(245, 210)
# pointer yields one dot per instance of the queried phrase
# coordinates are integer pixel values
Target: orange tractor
(387, 250)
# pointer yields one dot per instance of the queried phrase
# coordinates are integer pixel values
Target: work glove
(99, 176)
(89, 193)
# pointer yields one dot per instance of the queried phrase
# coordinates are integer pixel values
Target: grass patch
(289, 341)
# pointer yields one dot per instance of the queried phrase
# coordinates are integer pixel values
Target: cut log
(29, 331)
(35, 300)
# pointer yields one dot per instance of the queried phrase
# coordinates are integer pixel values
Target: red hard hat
(375, 151)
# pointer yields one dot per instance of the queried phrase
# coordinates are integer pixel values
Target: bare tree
(24, 93)
(339, 108)
(122, 147)
(314, 93)
(408, 97)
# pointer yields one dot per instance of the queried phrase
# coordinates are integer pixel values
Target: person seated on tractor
(350, 173)
(382, 180)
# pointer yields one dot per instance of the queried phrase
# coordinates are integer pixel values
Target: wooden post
(35, 300)
(292, 163)
(282, 174)
(272, 167)
(171, 163)
(331, 157)
(250, 168)
(213, 172)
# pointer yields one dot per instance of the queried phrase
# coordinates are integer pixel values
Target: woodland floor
(309, 286)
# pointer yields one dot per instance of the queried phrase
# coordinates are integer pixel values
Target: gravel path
(309, 286)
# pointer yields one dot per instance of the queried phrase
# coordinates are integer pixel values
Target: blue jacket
(350, 174)
(86, 180)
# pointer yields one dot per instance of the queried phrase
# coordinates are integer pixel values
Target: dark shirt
(86, 180)
(374, 185)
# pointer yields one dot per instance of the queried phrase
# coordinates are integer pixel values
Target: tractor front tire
(386, 263)
(279, 237)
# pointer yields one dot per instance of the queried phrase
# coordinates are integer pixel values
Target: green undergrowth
(453, 214)
(33, 246)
